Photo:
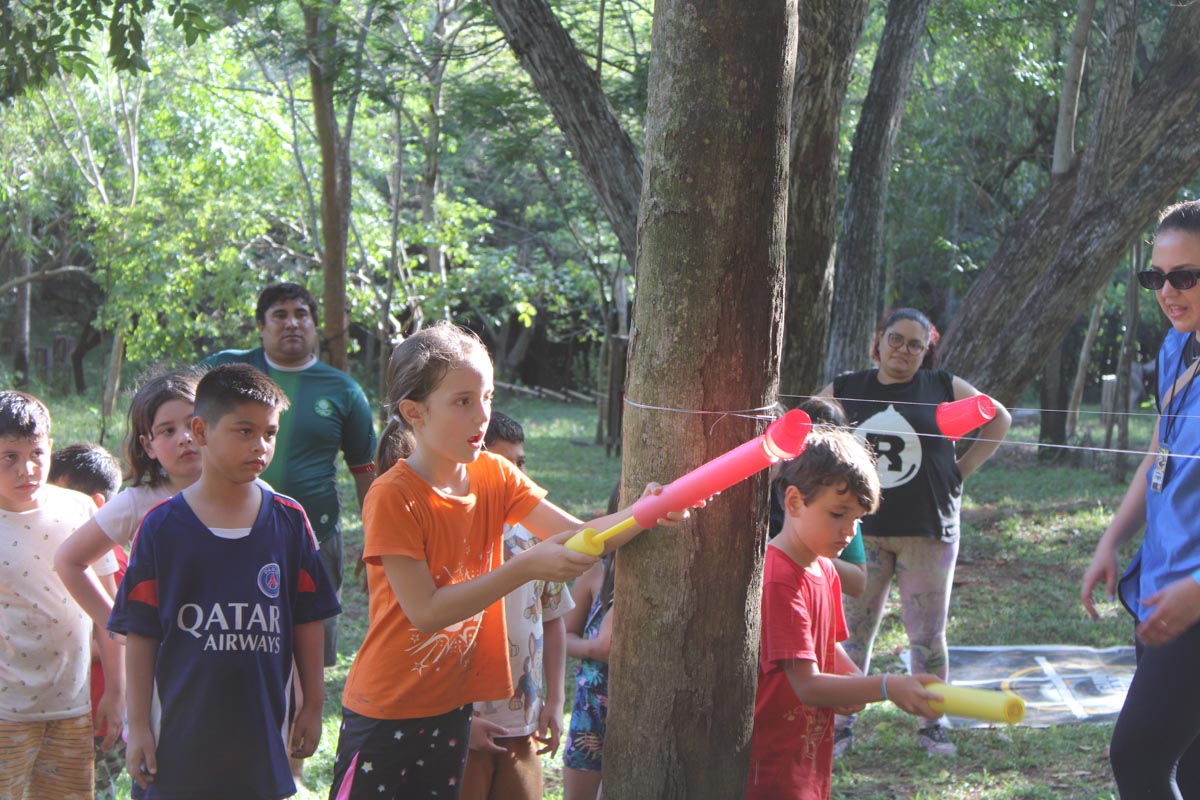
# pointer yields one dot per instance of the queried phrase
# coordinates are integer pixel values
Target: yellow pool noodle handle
(985, 704)
(591, 542)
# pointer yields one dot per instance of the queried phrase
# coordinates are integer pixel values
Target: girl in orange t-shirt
(433, 526)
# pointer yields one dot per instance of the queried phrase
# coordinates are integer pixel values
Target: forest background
(995, 164)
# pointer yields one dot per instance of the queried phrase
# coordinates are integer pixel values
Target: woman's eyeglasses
(914, 346)
(1180, 279)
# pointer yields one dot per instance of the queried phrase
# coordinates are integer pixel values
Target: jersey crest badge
(268, 580)
(323, 407)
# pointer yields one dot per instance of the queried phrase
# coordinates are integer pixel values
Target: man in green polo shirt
(328, 414)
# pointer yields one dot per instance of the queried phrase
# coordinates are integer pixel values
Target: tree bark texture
(1068, 101)
(335, 180)
(828, 33)
(1065, 244)
(857, 275)
(706, 335)
(572, 91)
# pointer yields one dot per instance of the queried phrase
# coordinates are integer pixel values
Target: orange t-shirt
(401, 673)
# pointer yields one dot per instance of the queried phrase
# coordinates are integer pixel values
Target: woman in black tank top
(914, 534)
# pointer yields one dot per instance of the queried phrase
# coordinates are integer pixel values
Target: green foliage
(43, 37)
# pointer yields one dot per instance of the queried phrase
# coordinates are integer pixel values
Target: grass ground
(1029, 530)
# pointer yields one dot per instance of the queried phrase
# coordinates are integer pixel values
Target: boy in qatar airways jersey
(225, 584)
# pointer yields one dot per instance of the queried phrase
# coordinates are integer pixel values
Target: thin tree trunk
(1068, 240)
(324, 58)
(1081, 369)
(572, 90)
(1055, 428)
(112, 383)
(829, 31)
(860, 251)
(1068, 101)
(685, 646)
(1125, 363)
(24, 291)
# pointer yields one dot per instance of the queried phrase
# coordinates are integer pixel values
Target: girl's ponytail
(395, 444)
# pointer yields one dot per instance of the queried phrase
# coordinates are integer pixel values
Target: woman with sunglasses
(914, 534)
(1155, 749)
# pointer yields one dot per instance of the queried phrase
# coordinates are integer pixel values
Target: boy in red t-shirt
(804, 676)
(90, 469)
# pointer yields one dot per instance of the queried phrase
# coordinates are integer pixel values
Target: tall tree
(1056, 427)
(1067, 240)
(711, 251)
(572, 90)
(829, 31)
(858, 271)
(326, 59)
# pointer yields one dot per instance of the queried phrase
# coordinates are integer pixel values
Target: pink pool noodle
(783, 439)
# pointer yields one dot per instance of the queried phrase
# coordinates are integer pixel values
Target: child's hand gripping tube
(985, 704)
(783, 440)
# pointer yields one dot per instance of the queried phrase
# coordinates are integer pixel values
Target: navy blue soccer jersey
(223, 611)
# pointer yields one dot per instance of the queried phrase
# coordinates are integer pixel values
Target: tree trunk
(1068, 240)
(1125, 362)
(112, 383)
(712, 239)
(21, 323)
(335, 179)
(828, 32)
(89, 339)
(1068, 101)
(860, 251)
(1081, 369)
(1056, 427)
(572, 91)
(1053, 396)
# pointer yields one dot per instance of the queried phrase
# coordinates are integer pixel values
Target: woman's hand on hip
(1173, 609)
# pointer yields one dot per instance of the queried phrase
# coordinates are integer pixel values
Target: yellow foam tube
(590, 542)
(986, 704)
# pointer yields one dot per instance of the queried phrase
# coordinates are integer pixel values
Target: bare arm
(816, 689)
(140, 760)
(1126, 523)
(852, 576)
(362, 482)
(554, 662)
(547, 519)
(583, 592)
(72, 562)
(431, 608)
(990, 435)
(110, 711)
(309, 652)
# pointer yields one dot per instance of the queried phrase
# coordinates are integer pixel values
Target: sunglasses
(1180, 279)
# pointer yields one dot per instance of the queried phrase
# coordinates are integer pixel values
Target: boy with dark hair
(45, 720)
(225, 584)
(329, 415)
(804, 676)
(90, 469)
(504, 761)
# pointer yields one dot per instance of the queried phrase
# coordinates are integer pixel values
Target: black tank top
(922, 487)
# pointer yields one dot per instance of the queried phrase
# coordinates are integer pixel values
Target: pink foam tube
(783, 439)
(957, 418)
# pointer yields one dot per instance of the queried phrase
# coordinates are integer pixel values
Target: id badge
(1160, 469)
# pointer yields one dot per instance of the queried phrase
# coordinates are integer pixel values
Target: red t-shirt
(399, 672)
(791, 749)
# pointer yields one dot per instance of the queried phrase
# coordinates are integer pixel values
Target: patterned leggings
(924, 571)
